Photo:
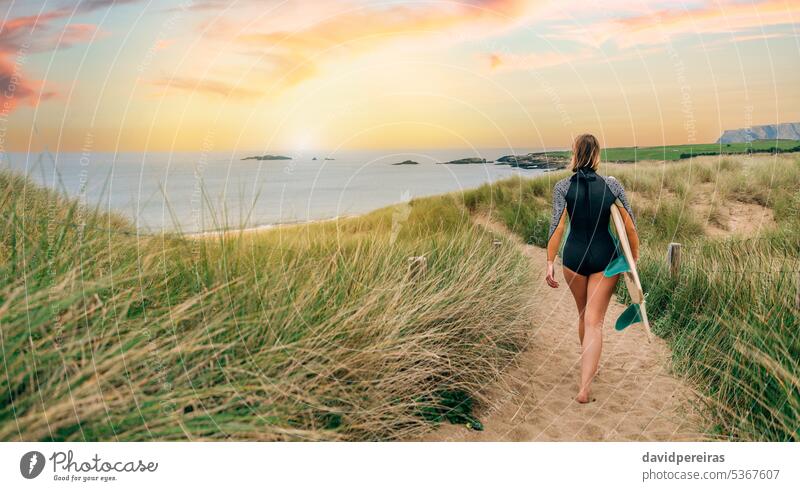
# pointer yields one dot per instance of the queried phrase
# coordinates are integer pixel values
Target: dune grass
(313, 332)
(730, 317)
(318, 332)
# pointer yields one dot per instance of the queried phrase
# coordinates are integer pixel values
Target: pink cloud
(532, 61)
(75, 34)
(163, 44)
(15, 89)
(22, 36)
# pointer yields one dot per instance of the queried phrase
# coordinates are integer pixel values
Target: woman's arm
(555, 238)
(557, 225)
(558, 220)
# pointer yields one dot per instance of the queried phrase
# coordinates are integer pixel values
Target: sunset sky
(297, 75)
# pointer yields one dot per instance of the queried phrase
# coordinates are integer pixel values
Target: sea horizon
(196, 192)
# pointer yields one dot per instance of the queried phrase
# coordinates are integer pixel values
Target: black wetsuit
(584, 239)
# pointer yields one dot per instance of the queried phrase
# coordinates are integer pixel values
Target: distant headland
(783, 131)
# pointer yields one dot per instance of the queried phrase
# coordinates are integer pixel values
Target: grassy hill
(678, 152)
(305, 333)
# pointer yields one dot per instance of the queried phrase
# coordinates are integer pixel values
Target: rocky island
(268, 157)
(534, 161)
(469, 160)
(406, 162)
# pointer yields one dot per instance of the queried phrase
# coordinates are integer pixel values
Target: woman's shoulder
(613, 183)
(561, 186)
(605, 177)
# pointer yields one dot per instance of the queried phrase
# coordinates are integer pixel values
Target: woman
(579, 233)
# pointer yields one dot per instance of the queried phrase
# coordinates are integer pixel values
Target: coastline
(262, 228)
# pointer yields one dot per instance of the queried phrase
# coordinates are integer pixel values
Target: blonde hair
(585, 153)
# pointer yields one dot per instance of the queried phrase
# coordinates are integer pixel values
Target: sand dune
(637, 398)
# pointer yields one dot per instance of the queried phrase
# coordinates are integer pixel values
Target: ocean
(195, 192)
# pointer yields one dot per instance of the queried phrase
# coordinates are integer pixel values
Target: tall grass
(313, 332)
(730, 317)
(732, 323)
(318, 332)
(523, 205)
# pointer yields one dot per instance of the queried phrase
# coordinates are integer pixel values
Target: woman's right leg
(578, 286)
(599, 289)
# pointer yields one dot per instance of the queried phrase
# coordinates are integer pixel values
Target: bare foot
(583, 397)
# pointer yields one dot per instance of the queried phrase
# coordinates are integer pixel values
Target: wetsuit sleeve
(558, 219)
(555, 239)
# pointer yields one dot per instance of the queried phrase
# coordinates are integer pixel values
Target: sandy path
(636, 396)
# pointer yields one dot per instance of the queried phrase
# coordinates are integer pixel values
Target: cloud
(206, 86)
(293, 56)
(647, 29)
(162, 44)
(16, 32)
(90, 5)
(659, 26)
(533, 61)
(75, 34)
(202, 5)
(21, 36)
(15, 89)
(368, 28)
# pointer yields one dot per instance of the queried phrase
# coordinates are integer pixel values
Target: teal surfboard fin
(617, 266)
(631, 315)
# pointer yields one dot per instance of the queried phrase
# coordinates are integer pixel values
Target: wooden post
(797, 300)
(417, 267)
(674, 259)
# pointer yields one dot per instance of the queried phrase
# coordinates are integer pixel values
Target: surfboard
(637, 311)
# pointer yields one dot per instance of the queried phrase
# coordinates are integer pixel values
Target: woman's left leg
(577, 285)
(598, 290)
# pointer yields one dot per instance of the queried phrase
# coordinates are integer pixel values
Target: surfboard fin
(631, 315)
